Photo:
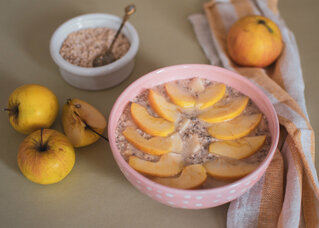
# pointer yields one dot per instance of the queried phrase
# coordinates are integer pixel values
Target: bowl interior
(92, 21)
(180, 72)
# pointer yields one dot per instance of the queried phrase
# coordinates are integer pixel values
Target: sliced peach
(239, 148)
(150, 124)
(155, 145)
(212, 94)
(235, 128)
(179, 96)
(163, 108)
(169, 165)
(223, 169)
(191, 177)
(222, 112)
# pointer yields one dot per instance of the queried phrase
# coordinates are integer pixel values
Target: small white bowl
(95, 78)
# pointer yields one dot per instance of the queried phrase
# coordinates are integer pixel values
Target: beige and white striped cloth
(288, 194)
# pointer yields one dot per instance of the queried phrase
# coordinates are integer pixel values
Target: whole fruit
(254, 41)
(32, 107)
(46, 156)
(82, 123)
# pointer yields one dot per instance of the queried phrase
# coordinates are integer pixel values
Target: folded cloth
(288, 194)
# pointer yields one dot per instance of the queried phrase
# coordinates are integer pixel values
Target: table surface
(95, 193)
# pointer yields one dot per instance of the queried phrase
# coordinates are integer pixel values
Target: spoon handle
(129, 10)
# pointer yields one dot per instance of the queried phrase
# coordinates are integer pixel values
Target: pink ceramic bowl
(202, 198)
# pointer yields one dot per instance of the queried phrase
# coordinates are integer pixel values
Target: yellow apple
(254, 41)
(46, 156)
(32, 107)
(83, 124)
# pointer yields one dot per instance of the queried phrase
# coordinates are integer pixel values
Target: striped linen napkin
(288, 194)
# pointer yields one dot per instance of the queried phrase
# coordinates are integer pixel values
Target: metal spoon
(108, 56)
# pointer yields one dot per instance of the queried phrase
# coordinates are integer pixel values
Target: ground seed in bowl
(81, 47)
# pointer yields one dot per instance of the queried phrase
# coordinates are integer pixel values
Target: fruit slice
(163, 108)
(237, 149)
(184, 124)
(179, 96)
(155, 145)
(192, 145)
(212, 94)
(169, 165)
(222, 169)
(177, 143)
(80, 120)
(196, 85)
(222, 112)
(191, 177)
(151, 125)
(235, 128)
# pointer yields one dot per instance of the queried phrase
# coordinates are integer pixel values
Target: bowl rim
(93, 71)
(118, 157)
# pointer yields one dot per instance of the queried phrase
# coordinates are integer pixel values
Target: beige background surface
(96, 194)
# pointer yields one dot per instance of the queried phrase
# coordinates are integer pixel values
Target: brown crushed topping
(81, 47)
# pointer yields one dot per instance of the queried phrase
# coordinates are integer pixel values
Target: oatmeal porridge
(183, 130)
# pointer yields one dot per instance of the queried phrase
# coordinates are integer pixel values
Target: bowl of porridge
(193, 136)
(76, 43)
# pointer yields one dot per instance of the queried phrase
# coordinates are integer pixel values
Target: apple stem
(5, 109)
(41, 140)
(262, 22)
(68, 100)
(42, 146)
(90, 128)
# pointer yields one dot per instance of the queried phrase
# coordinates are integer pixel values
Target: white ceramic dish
(100, 77)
